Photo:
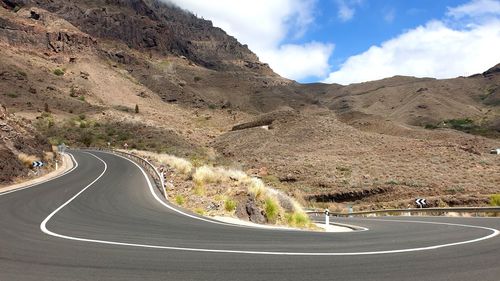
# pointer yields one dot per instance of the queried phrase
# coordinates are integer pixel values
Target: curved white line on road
(45, 181)
(43, 227)
(151, 189)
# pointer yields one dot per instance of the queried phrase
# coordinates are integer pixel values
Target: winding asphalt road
(103, 221)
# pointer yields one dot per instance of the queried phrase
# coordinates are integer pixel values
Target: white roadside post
(56, 164)
(327, 217)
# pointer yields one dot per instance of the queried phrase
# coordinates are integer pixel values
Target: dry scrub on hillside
(221, 191)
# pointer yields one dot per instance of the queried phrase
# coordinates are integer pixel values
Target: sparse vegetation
(179, 199)
(199, 189)
(229, 205)
(136, 110)
(257, 188)
(272, 208)
(430, 126)
(12, 95)
(392, 182)
(200, 211)
(495, 200)
(58, 72)
(298, 219)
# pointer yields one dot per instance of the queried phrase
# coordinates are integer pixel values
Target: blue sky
(351, 41)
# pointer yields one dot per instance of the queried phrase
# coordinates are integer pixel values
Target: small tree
(46, 107)
(136, 108)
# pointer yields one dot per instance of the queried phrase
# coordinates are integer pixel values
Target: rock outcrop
(17, 136)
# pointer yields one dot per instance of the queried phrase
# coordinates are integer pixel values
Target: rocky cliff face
(152, 26)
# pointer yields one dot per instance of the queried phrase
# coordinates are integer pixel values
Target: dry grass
(298, 219)
(257, 188)
(182, 165)
(205, 175)
(26, 159)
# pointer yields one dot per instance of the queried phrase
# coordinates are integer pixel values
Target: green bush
(297, 219)
(230, 205)
(179, 199)
(271, 208)
(495, 200)
(58, 72)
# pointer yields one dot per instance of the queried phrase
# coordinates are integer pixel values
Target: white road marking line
(43, 227)
(45, 181)
(151, 189)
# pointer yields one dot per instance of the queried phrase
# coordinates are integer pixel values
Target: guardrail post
(327, 217)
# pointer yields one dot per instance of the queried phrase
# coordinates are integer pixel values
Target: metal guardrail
(148, 167)
(415, 210)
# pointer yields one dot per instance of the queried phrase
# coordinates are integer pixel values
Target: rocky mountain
(158, 78)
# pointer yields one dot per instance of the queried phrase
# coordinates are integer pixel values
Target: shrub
(229, 205)
(257, 188)
(199, 190)
(136, 109)
(272, 208)
(298, 219)
(199, 211)
(197, 78)
(206, 174)
(430, 126)
(179, 199)
(26, 159)
(58, 72)
(495, 200)
(181, 165)
(12, 95)
(460, 124)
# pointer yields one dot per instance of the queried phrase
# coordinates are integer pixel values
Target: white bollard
(327, 217)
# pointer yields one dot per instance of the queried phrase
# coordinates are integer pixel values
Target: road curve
(101, 221)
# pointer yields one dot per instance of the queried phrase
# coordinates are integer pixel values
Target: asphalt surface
(102, 222)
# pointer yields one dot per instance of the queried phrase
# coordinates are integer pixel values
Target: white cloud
(300, 60)
(346, 9)
(437, 49)
(264, 26)
(345, 13)
(475, 8)
(389, 15)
